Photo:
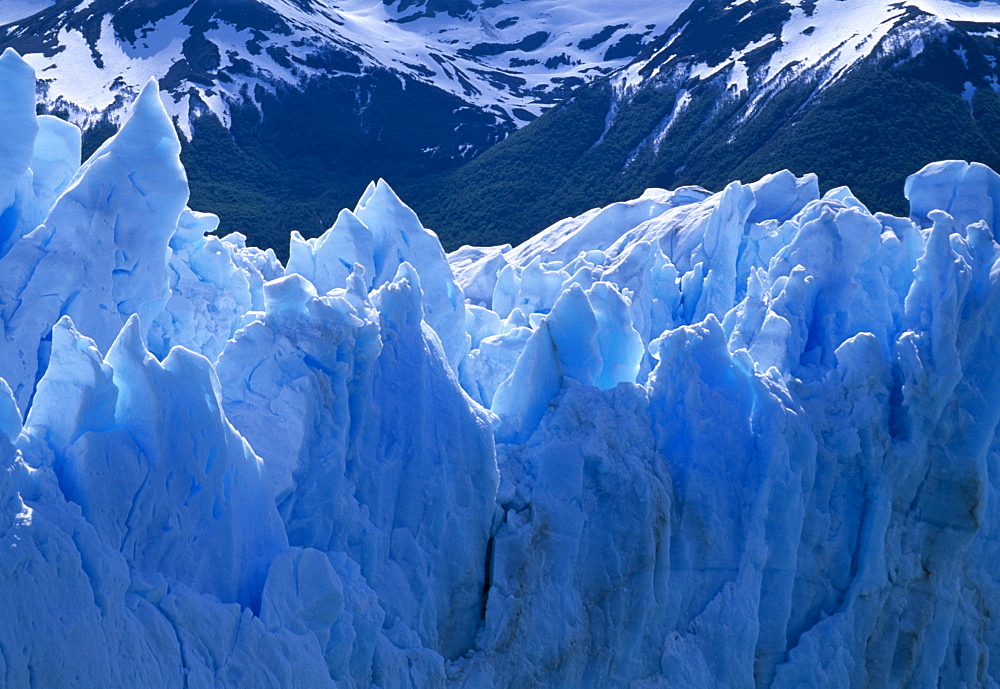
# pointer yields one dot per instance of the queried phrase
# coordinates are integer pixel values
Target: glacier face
(742, 439)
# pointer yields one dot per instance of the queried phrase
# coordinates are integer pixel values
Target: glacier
(740, 439)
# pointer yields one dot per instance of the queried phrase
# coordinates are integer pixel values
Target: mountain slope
(511, 58)
(862, 93)
(396, 89)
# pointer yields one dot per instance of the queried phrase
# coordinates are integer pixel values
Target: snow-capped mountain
(316, 97)
(862, 91)
(758, 47)
(745, 439)
(508, 58)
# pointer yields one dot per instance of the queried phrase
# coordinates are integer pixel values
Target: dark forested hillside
(869, 130)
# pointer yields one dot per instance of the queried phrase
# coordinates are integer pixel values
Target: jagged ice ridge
(691, 440)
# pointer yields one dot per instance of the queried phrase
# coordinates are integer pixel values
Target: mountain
(860, 92)
(741, 439)
(289, 107)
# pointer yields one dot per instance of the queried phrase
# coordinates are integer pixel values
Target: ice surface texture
(743, 439)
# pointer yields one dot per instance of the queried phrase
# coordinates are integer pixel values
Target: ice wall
(820, 410)
(741, 439)
(147, 542)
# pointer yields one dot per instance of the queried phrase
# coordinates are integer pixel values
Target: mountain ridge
(715, 90)
(468, 54)
(765, 102)
(396, 90)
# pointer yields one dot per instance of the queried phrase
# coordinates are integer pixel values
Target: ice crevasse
(741, 439)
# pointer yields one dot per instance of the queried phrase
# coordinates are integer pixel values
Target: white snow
(841, 32)
(826, 42)
(366, 27)
(961, 10)
(82, 84)
(684, 99)
(844, 31)
(968, 91)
